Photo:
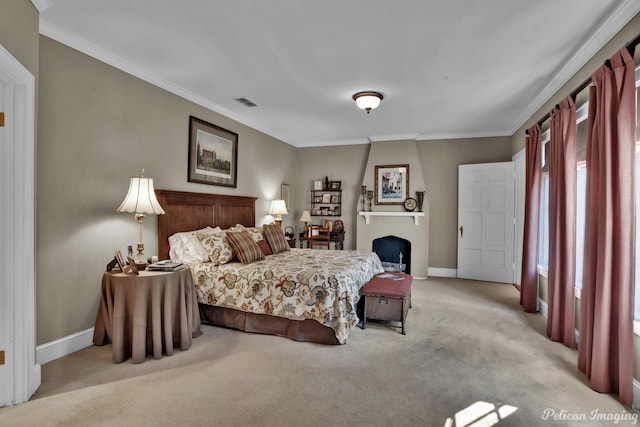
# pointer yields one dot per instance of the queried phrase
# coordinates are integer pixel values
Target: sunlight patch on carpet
(480, 414)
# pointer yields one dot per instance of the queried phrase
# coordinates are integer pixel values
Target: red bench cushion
(381, 287)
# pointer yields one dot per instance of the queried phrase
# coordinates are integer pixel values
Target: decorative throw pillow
(274, 235)
(264, 247)
(217, 247)
(244, 246)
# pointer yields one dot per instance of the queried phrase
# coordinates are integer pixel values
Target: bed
(304, 294)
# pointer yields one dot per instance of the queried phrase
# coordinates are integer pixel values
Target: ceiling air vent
(246, 102)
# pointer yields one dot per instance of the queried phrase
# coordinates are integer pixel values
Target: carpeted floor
(471, 356)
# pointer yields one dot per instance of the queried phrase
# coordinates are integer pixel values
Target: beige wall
(99, 126)
(19, 32)
(344, 163)
(440, 160)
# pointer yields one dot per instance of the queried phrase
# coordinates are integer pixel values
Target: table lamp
(141, 199)
(305, 217)
(278, 208)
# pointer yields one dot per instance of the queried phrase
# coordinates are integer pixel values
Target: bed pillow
(217, 247)
(245, 248)
(255, 232)
(264, 247)
(274, 235)
(185, 246)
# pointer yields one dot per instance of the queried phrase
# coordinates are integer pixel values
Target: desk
(336, 237)
(147, 314)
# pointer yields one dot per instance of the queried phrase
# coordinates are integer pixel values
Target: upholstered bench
(387, 299)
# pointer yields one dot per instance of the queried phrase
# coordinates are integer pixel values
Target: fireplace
(389, 249)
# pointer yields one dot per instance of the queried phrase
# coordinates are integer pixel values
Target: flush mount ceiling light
(368, 100)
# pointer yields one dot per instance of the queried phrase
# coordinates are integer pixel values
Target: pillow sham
(185, 246)
(274, 235)
(245, 248)
(217, 247)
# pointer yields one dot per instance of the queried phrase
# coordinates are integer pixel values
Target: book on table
(164, 266)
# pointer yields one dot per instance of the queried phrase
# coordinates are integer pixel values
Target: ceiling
(447, 69)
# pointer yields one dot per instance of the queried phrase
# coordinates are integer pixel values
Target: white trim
(636, 394)
(41, 5)
(543, 308)
(443, 272)
(519, 155)
(21, 376)
(543, 271)
(64, 346)
(636, 327)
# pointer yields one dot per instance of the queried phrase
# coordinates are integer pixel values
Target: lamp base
(139, 258)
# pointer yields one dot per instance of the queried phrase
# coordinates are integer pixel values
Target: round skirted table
(150, 313)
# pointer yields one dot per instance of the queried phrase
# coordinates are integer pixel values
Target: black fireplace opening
(389, 250)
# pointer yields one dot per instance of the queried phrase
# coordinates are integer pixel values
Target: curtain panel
(529, 279)
(562, 223)
(605, 351)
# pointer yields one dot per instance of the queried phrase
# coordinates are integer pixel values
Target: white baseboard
(443, 272)
(66, 345)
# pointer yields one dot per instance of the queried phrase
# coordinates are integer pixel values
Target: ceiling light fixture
(368, 100)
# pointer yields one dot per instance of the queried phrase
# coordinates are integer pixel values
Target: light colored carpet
(469, 346)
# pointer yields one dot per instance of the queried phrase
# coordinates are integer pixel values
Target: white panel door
(486, 222)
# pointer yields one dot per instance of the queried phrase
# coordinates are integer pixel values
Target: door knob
(461, 231)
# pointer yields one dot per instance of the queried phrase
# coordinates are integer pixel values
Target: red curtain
(605, 352)
(562, 223)
(529, 279)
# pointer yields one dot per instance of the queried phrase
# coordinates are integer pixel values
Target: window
(636, 314)
(543, 239)
(581, 188)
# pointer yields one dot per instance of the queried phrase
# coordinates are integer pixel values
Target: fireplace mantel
(368, 214)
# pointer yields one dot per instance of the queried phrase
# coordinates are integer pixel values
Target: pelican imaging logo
(596, 416)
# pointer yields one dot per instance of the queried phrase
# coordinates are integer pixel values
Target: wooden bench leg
(364, 313)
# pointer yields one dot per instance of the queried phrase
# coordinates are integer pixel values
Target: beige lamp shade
(141, 197)
(278, 207)
(305, 217)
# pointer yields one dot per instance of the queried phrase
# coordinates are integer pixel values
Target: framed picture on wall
(391, 184)
(284, 195)
(213, 154)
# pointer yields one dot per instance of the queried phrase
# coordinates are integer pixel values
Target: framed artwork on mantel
(213, 154)
(391, 184)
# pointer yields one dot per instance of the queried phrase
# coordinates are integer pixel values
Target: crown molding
(41, 5)
(464, 135)
(596, 41)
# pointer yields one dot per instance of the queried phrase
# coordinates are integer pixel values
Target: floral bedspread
(297, 284)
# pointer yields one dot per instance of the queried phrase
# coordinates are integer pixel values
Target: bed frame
(187, 211)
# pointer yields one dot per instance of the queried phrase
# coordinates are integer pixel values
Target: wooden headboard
(185, 211)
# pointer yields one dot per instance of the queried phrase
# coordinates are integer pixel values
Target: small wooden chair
(319, 236)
